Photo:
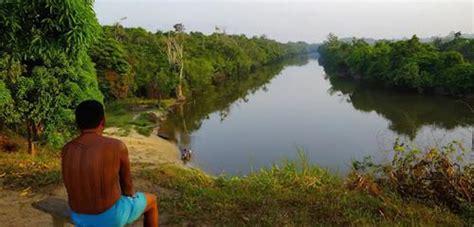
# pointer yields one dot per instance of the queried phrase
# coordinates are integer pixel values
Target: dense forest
(442, 66)
(135, 62)
(54, 55)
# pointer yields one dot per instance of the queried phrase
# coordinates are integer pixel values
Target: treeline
(54, 54)
(136, 62)
(445, 67)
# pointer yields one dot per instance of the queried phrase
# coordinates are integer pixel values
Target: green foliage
(405, 64)
(463, 46)
(141, 116)
(200, 73)
(208, 59)
(114, 73)
(44, 63)
(6, 105)
(40, 30)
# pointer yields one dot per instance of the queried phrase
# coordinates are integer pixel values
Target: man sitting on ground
(96, 172)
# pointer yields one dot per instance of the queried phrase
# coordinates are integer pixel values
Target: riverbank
(136, 123)
(289, 193)
(150, 149)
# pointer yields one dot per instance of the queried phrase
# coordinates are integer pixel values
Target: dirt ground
(16, 209)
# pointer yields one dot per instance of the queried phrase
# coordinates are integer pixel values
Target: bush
(437, 177)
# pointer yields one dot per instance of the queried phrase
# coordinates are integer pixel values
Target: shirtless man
(96, 173)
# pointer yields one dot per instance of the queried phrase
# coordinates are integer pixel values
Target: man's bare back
(96, 173)
(100, 163)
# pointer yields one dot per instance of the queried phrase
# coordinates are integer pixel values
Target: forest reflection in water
(406, 111)
(188, 116)
(260, 118)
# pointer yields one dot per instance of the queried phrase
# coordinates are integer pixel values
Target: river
(269, 116)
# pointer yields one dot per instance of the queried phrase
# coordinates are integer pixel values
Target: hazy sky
(309, 21)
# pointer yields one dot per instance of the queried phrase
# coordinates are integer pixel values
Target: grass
(288, 193)
(293, 193)
(137, 114)
(21, 170)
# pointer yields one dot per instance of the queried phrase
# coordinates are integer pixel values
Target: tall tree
(44, 64)
(175, 51)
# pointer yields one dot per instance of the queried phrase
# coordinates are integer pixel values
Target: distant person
(96, 172)
(186, 154)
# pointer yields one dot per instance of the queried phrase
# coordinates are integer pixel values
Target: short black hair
(89, 114)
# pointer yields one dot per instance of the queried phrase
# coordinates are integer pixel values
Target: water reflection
(407, 112)
(260, 119)
(188, 117)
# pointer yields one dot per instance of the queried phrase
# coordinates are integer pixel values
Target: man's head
(90, 115)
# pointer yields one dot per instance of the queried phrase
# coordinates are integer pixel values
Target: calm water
(263, 118)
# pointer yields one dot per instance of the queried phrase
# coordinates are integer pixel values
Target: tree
(440, 66)
(178, 27)
(114, 73)
(175, 52)
(45, 66)
(457, 35)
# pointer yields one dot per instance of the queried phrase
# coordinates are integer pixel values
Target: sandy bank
(150, 150)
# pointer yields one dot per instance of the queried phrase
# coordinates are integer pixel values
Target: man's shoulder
(114, 142)
(104, 140)
(68, 144)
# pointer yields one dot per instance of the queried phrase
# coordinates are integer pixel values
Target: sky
(297, 20)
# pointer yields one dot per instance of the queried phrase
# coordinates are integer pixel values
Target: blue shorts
(125, 211)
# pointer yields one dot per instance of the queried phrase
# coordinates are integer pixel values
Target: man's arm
(126, 184)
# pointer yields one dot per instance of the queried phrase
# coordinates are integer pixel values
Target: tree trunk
(31, 145)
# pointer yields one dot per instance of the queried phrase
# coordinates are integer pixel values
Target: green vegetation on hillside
(443, 66)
